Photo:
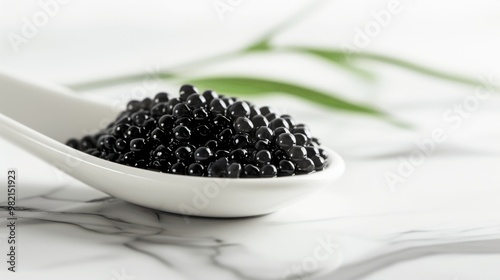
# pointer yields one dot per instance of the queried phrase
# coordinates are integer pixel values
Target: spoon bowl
(40, 117)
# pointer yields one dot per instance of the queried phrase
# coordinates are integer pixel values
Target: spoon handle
(50, 109)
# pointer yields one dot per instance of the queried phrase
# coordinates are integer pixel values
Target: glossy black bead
(279, 155)
(323, 153)
(87, 142)
(212, 145)
(160, 97)
(289, 119)
(263, 132)
(186, 91)
(286, 141)
(159, 135)
(225, 135)
(133, 132)
(166, 122)
(178, 168)
(263, 157)
(259, 120)
(110, 156)
(149, 125)
(181, 110)
(312, 151)
(109, 142)
(139, 117)
(240, 140)
(228, 101)
(221, 153)
(119, 130)
(184, 153)
(243, 125)
(302, 129)
(196, 101)
(238, 155)
(254, 111)
(238, 109)
(220, 122)
(319, 162)
(210, 95)
(271, 117)
(280, 131)
(297, 153)
(218, 168)
(124, 120)
(305, 165)
(268, 171)
(267, 110)
(200, 114)
(286, 168)
(73, 143)
(277, 123)
(171, 104)
(146, 103)
(129, 158)
(202, 154)
(185, 121)
(262, 144)
(218, 106)
(162, 152)
(182, 132)
(315, 141)
(195, 169)
(120, 145)
(300, 139)
(203, 132)
(159, 110)
(234, 170)
(137, 144)
(251, 171)
(133, 106)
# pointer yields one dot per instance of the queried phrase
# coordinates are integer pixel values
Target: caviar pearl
(297, 153)
(243, 125)
(268, 171)
(182, 132)
(202, 154)
(137, 144)
(239, 109)
(195, 169)
(305, 165)
(187, 90)
(206, 135)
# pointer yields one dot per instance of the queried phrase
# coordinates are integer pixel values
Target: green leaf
(340, 58)
(258, 86)
(345, 58)
(417, 68)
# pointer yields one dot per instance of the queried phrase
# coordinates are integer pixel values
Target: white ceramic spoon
(40, 117)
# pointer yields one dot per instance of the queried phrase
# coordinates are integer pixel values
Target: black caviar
(206, 134)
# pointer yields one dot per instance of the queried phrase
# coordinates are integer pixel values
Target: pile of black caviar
(206, 134)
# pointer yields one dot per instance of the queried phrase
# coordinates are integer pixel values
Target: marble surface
(440, 222)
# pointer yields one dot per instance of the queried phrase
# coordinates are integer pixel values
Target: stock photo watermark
(453, 118)
(202, 197)
(365, 34)
(32, 25)
(326, 250)
(122, 275)
(12, 244)
(223, 7)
